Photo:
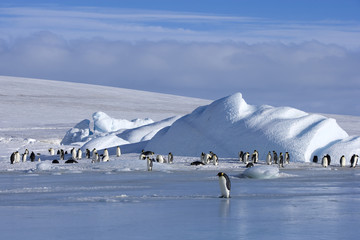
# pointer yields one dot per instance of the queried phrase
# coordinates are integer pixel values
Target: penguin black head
(220, 174)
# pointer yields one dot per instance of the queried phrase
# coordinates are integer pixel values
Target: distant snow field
(104, 200)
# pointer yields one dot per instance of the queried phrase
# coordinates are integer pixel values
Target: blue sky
(303, 54)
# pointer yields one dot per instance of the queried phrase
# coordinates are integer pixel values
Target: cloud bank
(311, 66)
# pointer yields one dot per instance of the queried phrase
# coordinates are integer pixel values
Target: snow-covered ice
(230, 125)
(120, 198)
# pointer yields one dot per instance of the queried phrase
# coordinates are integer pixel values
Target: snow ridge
(230, 125)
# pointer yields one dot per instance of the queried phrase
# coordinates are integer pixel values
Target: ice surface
(109, 200)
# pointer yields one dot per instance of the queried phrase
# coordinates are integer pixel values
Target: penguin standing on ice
(225, 185)
(12, 158)
(215, 159)
(315, 159)
(87, 154)
(281, 160)
(329, 159)
(354, 160)
(79, 154)
(149, 163)
(32, 156)
(275, 157)
(51, 151)
(268, 158)
(118, 151)
(170, 158)
(246, 157)
(342, 161)
(24, 157)
(287, 158)
(324, 161)
(255, 156)
(241, 156)
(95, 157)
(106, 152)
(73, 154)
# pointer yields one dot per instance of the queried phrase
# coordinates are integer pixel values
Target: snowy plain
(119, 199)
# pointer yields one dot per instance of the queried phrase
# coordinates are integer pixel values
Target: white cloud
(311, 75)
(309, 65)
(135, 25)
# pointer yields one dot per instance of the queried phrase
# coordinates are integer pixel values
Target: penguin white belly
(224, 191)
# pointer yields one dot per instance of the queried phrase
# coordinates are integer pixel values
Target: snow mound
(44, 166)
(347, 147)
(102, 142)
(262, 172)
(230, 125)
(146, 132)
(104, 123)
(126, 136)
(79, 133)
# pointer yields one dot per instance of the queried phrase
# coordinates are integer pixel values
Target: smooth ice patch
(262, 172)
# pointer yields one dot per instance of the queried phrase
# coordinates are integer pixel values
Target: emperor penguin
(170, 158)
(315, 159)
(287, 158)
(268, 158)
(329, 159)
(281, 160)
(17, 157)
(51, 151)
(324, 161)
(202, 157)
(241, 156)
(225, 185)
(24, 157)
(62, 154)
(215, 160)
(32, 156)
(354, 160)
(118, 151)
(105, 158)
(95, 157)
(12, 158)
(159, 158)
(73, 153)
(94, 150)
(342, 161)
(246, 157)
(144, 154)
(207, 157)
(79, 154)
(255, 156)
(87, 153)
(106, 152)
(27, 151)
(275, 157)
(149, 163)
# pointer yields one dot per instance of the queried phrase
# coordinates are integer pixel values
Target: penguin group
(326, 160)
(15, 157)
(75, 155)
(271, 158)
(149, 157)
